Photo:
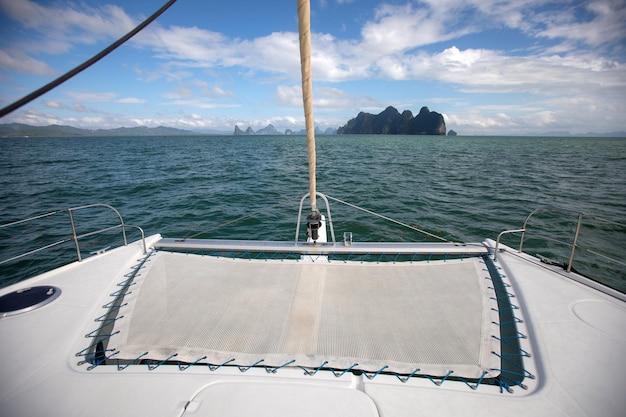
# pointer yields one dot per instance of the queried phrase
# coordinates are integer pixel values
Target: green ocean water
(462, 188)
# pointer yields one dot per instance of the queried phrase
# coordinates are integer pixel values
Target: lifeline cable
(390, 219)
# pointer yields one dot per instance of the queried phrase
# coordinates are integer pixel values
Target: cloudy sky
(491, 67)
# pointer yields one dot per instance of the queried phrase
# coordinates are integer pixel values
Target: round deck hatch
(27, 299)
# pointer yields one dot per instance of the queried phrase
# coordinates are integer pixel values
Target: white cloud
(187, 44)
(37, 118)
(64, 21)
(194, 47)
(576, 115)
(81, 108)
(18, 61)
(54, 104)
(289, 95)
(607, 23)
(323, 97)
(91, 96)
(480, 70)
(180, 92)
(199, 104)
(399, 28)
(216, 91)
(334, 98)
(198, 92)
(131, 100)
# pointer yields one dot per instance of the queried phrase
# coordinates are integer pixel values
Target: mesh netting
(436, 317)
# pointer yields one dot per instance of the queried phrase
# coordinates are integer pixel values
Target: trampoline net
(433, 316)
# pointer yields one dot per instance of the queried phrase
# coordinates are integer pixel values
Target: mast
(304, 31)
(314, 220)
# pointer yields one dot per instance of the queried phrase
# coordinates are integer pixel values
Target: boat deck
(570, 342)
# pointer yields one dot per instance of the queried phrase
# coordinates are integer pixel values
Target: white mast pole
(304, 30)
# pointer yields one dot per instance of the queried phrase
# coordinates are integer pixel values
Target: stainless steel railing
(329, 220)
(573, 244)
(74, 236)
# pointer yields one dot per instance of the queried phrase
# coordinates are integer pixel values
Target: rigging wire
(238, 219)
(55, 83)
(389, 219)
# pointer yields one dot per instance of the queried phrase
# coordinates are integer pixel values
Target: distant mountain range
(268, 130)
(362, 121)
(14, 130)
(22, 130)
(271, 130)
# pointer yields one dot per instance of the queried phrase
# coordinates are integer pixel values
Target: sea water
(249, 187)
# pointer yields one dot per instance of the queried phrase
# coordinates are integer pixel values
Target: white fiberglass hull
(575, 337)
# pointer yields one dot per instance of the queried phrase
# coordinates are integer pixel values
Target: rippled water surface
(463, 188)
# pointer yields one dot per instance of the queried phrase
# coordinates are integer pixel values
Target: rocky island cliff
(391, 122)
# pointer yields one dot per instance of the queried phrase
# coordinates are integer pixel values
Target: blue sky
(491, 67)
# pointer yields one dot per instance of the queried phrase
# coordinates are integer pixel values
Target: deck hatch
(27, 299)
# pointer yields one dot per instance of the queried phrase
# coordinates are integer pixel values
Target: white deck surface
(575, 334)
